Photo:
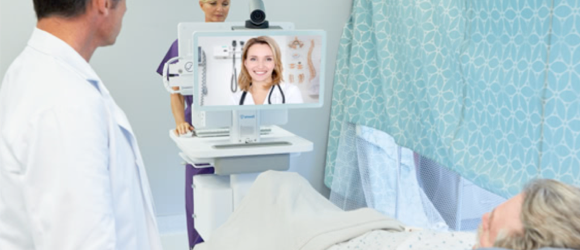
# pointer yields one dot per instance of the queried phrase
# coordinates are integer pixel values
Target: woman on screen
(261, 75)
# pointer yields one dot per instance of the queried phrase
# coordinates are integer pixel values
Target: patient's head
(545, 214)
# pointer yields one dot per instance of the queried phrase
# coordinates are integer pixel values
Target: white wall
(128, 70)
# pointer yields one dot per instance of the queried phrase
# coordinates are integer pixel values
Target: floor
(173, 232)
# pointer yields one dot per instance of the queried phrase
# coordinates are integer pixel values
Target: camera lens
(258, 17)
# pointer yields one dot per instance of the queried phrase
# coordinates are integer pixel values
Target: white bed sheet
(418, 240)
(282, 211)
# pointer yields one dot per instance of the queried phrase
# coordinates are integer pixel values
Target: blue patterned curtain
(487, 88)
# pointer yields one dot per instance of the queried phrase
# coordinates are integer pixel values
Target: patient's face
(503, 220)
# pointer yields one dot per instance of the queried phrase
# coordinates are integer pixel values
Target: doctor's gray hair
(63, 8)
(550, 217)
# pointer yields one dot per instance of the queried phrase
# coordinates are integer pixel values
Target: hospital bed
(282, 211)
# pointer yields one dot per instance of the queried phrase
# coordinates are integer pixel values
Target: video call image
(276, 70)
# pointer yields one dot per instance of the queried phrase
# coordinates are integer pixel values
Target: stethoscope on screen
(243, 98)
(234, 79)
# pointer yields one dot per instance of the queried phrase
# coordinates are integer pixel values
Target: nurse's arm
(178, 111)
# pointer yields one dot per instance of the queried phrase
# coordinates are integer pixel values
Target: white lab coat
(291, 95)
(71, 174)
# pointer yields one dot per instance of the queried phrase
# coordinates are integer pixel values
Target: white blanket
(417, 240)
(282, 211)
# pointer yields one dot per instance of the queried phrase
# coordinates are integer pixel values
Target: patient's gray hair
(550, 217)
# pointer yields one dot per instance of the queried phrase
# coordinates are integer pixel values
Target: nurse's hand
(182, 128)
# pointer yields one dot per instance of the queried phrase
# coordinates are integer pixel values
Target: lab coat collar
(53, 46)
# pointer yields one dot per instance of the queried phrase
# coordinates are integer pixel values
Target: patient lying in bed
(282, 211)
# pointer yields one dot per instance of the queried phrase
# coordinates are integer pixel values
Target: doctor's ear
(102, 6)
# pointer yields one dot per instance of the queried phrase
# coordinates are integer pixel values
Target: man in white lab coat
(71, 174)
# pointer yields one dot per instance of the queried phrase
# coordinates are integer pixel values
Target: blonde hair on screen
(244, 80)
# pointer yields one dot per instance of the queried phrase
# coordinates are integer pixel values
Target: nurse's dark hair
(62, 8)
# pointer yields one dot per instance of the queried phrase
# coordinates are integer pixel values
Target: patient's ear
(485, 221)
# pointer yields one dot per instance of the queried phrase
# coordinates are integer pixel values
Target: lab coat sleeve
(294, 94)
(235, 98)
(67, 186)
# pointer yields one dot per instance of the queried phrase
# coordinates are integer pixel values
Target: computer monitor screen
(258, 69)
